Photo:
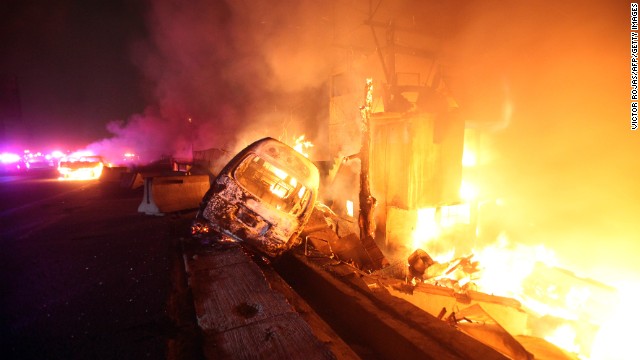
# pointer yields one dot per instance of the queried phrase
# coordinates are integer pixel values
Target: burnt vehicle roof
(284, 156)
(90, 158)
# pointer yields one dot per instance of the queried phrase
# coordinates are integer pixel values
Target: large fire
(575, 314)
(585, 318)
(582, 316)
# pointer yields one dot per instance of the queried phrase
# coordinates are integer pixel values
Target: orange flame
(504, 268)
(616, 339)
(301, 145)
(80, 169)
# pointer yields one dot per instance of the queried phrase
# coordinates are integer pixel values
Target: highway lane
(83, 275)
(22, 189)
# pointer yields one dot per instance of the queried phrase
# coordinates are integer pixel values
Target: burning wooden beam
(367, 201)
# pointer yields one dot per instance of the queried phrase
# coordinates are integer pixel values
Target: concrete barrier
(132, 180)
(113, 174)
(166, 194)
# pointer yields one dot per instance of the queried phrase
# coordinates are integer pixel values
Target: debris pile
(457, 274)
(337, 237)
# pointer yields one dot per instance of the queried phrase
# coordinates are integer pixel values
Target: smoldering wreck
(361, 275)
(372, 252)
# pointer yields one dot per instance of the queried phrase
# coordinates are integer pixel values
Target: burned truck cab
(263, 198)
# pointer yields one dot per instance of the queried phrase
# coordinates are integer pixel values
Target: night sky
(564, 159)
(73, 64)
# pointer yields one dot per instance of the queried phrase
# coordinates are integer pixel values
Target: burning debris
(336, 237)
(265, 198)
(261, 201)
(456, 274)
(81, 168)
(553, 312)
(267, 193)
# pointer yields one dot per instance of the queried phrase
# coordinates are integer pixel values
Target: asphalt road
(83, 275)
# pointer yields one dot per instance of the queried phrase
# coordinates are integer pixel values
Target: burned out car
(81, 168)
(263, 197)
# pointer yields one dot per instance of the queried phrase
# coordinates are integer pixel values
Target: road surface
(83, 275)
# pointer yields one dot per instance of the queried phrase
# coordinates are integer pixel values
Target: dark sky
(72, 60)
(126, 74)
(116, 73)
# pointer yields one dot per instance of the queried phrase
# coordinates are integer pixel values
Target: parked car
(263, 197)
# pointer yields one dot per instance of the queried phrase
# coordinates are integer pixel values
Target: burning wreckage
(418, 157)
(265, 199)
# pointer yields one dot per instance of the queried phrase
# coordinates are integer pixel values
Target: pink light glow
(9, 158)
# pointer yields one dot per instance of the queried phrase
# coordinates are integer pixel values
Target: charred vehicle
(263, 197)
(81, 168)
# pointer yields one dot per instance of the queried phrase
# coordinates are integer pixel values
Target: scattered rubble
(456, 274)
(337, 238)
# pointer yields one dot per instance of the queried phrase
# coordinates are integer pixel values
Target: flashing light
(57, 154)
(9, 158)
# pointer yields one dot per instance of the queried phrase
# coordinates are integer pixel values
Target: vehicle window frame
(295, 207)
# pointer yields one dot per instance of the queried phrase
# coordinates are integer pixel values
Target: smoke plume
(546, 84)
(223, 74)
